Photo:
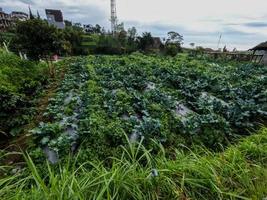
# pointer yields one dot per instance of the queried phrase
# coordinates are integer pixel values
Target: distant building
(5, 21)
(209, 50)
(157, 44)
(55, 17)
(20, 16)
(261, 51)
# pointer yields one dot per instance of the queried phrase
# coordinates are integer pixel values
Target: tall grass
(239, 172)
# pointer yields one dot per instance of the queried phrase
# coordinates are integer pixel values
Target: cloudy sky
(242, 23)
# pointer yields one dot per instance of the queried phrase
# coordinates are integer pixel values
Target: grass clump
(239, 172)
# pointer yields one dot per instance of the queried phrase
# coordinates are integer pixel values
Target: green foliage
(171, 100)
(97, 29)
(120, 43)
(146, 41)
(238, 173)
(171, 49)
(138, 114)
(37, 39)
(6, 37)
(19, 81)
(74, 36)
(173, 43)
(108, 44)
(89, 43)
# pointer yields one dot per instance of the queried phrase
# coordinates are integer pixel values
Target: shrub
(19, 81)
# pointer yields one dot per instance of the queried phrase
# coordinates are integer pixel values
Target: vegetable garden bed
(170, 100)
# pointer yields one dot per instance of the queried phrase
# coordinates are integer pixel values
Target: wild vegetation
(20, 81)
(238, 173)
(39, 40)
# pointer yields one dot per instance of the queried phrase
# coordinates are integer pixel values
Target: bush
(172, 50)
(38, 39)
(19, 81)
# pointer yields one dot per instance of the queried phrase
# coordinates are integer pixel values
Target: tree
(89, 28)
(171, 50)
(122, 37)
(192, 44)
(173, 43)
(132, 33)
(67, 23)
(73, 39)
(97, 29)
(131, 40)
(108, 44)
(103, 30)
(6, 38)
(174, 38)
(146, 41)
(120, 27)
(37, 39)
(77, 24)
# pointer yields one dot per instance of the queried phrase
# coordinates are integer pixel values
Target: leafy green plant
(171, 100)
(20, 80)
(237, 173)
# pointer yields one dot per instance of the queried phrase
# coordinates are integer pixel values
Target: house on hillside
(157, 44)
(19, 16)
(55, 17)
(8, 20)
(260, 53)
(5, 21)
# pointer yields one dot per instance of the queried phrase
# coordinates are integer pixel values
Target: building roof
(261, 46)
(157, 41)
(57, 14)
(5, 14)
(209, 49)
(19, 13)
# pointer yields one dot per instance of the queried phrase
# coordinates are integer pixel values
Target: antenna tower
(113, 19)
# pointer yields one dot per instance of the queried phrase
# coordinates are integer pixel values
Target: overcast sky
(242, 23)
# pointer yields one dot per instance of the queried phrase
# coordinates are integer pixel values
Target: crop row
(173, 101)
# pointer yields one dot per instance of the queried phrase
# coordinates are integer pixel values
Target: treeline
(38, 40)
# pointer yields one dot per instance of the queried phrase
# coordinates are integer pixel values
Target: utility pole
(113, 19)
